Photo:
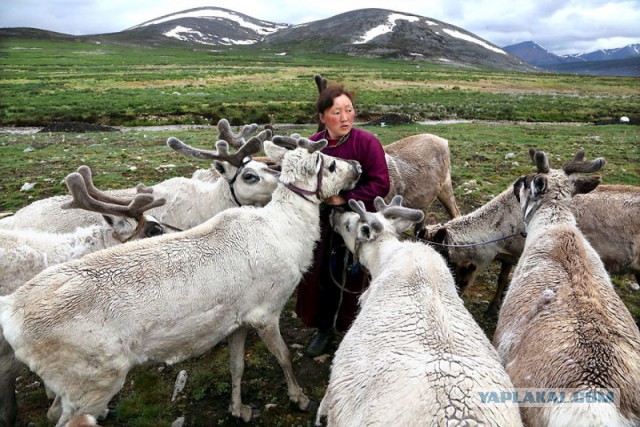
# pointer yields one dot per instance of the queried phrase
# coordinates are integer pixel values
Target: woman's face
(338, 119)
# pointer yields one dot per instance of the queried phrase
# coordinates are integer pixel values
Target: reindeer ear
(439, 235)
(585, 184)
(274, 152)
(364, 233)
(220, 167)
(538, 185)
(517, 186)
(108, 219)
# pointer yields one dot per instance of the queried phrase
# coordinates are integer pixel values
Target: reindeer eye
(332, 167)
(250, 177)
(154, 230)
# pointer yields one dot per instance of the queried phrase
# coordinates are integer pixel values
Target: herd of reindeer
(97, 282)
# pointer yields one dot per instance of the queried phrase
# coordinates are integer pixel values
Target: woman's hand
(336, 200)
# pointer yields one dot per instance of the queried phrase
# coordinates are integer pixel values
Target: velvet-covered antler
(236, 140)
(86, 196)
(395, 209)
(579, 164)
(253, 146)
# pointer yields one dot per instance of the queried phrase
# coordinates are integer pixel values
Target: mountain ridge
(623, 61)
(369, 32)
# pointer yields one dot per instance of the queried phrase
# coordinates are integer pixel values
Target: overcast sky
(562, 27)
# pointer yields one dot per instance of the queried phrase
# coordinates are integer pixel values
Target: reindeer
(82, 325)
(562, 326)
(25, 253)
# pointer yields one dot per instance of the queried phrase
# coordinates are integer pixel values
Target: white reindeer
(414, 355)
(81, 326)
(25, 253)
(189, 201)
(562, 327)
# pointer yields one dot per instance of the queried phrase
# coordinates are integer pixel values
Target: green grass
(45, 81)
(117, 85)
(124, 158)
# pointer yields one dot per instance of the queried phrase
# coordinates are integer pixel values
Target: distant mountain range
(365, 32)
(624, 61)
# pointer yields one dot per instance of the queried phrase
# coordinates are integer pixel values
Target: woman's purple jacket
(365, 148)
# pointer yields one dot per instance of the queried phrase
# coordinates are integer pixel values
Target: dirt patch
(391, 119)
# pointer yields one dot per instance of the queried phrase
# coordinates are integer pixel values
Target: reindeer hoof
(312, 406)
(246, 412)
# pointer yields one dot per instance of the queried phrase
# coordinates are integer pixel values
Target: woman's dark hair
(326, 97)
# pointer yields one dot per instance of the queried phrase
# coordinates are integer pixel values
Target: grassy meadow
(46, 80)
(489, 116)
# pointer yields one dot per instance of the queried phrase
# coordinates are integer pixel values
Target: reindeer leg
(448, 199)
(236, 361)
(269, 332)
(503, 283)
(9, 367)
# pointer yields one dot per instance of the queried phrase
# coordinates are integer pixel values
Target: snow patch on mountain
(216, 14)
(188, 34)
(385, 28)
(466, 37)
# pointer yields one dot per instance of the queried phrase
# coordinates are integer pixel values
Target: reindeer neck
(502, 212)
(292, 206)
(377, 254)
(549, 214)
(86, 240)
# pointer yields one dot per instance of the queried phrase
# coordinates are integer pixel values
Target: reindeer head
(308, 171)
(361, 226)
(117, 212)
(555, 184)
(251, 182)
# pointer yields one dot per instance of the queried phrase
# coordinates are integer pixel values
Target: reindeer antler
(253, 146)
(395, 209)
(288, 142)
(86, 174)
(105, 204)
(321, 82)
(236, 140)
(578, 164)
(541, 160)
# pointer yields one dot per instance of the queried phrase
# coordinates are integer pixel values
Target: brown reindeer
(562, 326)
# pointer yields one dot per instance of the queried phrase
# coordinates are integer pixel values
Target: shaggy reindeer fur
(562, 325)
(81, 326)
(25, 253)
(189, 201)
(606, 216)
(414, 355)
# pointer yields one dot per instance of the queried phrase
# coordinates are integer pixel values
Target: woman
(328, 294)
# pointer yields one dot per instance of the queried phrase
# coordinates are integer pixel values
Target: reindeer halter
(302, 192)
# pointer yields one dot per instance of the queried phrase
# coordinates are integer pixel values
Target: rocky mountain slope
(367, 32)
(622, 61)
